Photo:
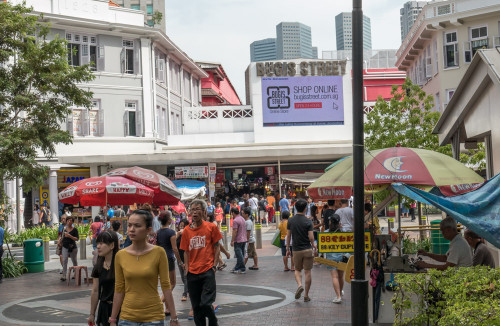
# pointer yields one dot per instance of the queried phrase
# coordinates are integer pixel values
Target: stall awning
(478, 210)
(302, 178)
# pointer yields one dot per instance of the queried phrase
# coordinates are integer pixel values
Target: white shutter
(467, 52)
(85, 54)
(100, 116)
(428, 67)
(137, 57)
(100, 58)
(122, 61)
(455, 48)
(85, 122)
(138, 121)
(125, 124)
(161, 70)
(69, 123)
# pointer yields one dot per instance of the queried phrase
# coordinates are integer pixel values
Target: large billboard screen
(299, 101)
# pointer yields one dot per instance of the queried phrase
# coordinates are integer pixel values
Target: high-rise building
(408, 15)
(315, 52)
(293, 40)
(263, 50)
(343, 28)
(150, 7)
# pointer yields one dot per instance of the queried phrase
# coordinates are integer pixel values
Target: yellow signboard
(340, 242)
(44, 196)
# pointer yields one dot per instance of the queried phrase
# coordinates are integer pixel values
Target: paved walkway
(263, 297)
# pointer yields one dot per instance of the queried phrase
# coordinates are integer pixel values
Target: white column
(53, 196)
(147, 90)
(10, 192)
(94, 172)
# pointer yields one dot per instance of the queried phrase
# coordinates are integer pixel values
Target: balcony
(218, 119)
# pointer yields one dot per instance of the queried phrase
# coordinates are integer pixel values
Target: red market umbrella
(99, 191)
(420, 168)
(179, 208)
(166, 193)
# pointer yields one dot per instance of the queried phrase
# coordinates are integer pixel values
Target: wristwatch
(174, 319)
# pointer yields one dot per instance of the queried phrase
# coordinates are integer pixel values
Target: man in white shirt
(346, 216)
(251, 252)
(254, 204)
(459, 254)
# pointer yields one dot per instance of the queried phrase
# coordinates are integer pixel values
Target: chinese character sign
(340, 242)
(298, 101)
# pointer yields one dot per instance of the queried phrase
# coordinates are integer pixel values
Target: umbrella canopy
(191, 189)
(420, 168)
(166, 193)
(99, 191)
(179, 208)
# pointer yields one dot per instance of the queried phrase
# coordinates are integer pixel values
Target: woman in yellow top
(283, 231)
(137, 269)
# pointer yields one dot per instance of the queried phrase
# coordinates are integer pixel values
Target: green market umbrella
(420, 168)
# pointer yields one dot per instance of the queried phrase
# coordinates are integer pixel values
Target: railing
(218, 119)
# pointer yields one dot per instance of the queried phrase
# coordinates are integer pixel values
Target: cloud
(222, 30)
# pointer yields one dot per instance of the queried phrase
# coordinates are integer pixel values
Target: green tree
(407, 120)
(37, 87)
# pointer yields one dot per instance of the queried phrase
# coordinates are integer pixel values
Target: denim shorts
(335, 256)
(123, 322)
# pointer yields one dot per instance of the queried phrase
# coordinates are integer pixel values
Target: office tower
(149, 7)
(293, 40)
(315, 52)
(408, 15)
(343, 28)
(263, 50)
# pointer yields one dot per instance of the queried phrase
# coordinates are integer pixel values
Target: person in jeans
(251, 252)
(69, 248)
(180, 264)
(200, 242)
(300, 228)
(238, 241)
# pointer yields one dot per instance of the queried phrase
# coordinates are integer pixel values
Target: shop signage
(186, 172)
(305, 68)
(44, 196)
(65, 177)
(212, 171)
(269, 170)
(288, 101)
(340, 242)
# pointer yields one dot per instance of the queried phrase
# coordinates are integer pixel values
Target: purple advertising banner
(299, 101)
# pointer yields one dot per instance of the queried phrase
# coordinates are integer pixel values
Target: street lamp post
(359, 298)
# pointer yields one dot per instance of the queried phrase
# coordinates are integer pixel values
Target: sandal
(222, 267)
(307, 299)
(286, 270)
(184, 298)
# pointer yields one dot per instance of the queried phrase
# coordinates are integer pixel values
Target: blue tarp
(190, 184)
(478, 210)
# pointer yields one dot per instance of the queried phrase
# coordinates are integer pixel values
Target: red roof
(113, 4)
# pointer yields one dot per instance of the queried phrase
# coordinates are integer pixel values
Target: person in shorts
(250, 249)
(300, 228)
(59, 238)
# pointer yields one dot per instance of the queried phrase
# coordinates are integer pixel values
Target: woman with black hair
(103, 287)
(137, 269)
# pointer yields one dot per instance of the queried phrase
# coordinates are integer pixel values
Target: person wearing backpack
(96, 227)
(45, 215)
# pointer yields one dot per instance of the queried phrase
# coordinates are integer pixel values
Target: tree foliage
(37, 87)
(407, 120)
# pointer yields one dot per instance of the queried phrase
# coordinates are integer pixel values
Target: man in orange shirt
(271, 200)
(200, 242)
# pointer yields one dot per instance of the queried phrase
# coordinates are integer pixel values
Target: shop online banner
(299, 101)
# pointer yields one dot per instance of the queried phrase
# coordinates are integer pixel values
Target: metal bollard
(258, 236)
(228, 223)
(224, 236)
(83, 246)
(46, 252)
(390, 223)
(277, 217)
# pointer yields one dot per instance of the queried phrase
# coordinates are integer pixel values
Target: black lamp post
(359, 298)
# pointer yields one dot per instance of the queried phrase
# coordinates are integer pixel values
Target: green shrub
(12, 267)
(411, 246)
(456, 296)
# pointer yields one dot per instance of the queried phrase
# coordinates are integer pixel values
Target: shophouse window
(437, 103)
(449, 94)
(135, 7)
(187, 85)
(478, 37)
(83, 122)
(175, 83)
(149, 9)
(132, 119)
(450, 50)
(127, 57)
(83, 49)
(160, 68)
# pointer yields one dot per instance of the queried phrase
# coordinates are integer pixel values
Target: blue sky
(222, 30)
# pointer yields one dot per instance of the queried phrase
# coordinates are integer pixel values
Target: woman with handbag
(103, 287)
(69, 248)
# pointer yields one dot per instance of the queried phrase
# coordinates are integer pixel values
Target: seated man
(458, 255)
(482, 255)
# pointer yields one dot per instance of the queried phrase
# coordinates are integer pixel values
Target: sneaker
(234, 271)
(299, 291)
(342, 293)
(337, 300)
(241, 272)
